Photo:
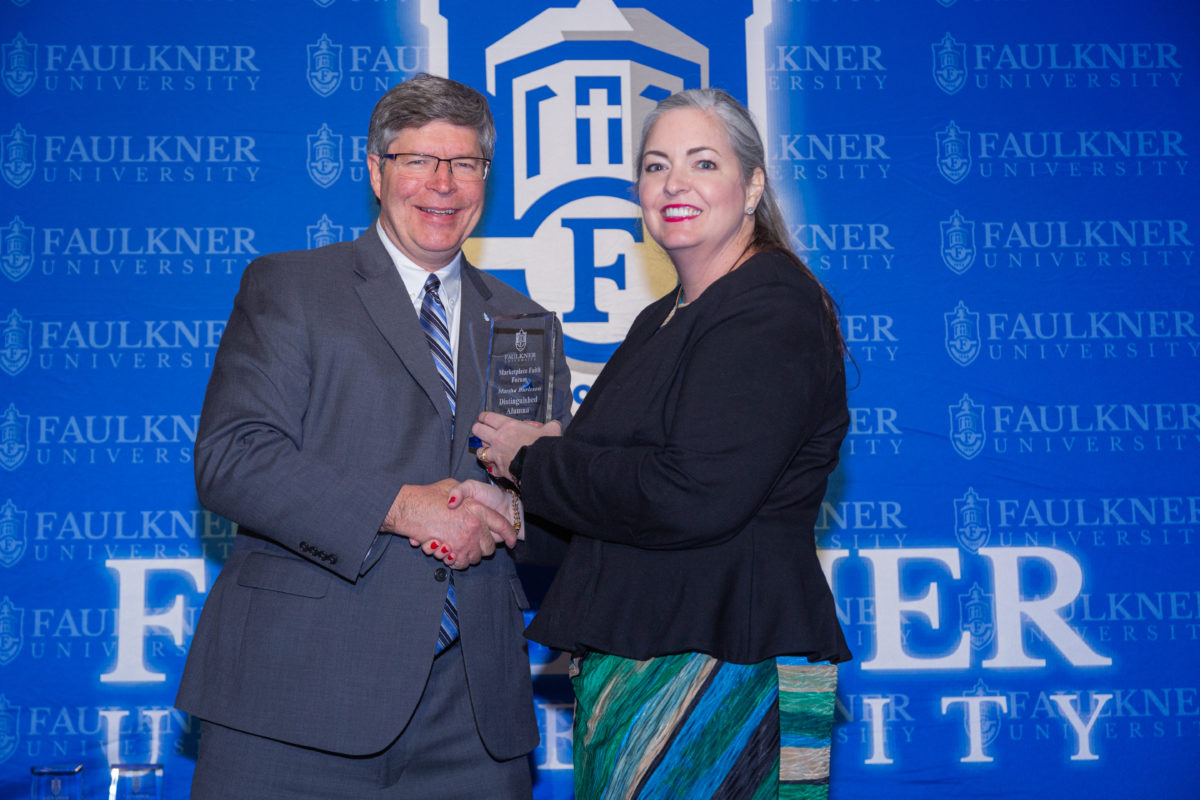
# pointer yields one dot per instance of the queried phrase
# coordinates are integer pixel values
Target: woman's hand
(504, 503)
(504, 436)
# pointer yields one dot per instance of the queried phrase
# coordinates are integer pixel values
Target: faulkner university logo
(18, 158)
(360, 66)
(966, 427)
(20, 65)
(10, 734)
(953, 152)
(975, 608)
(12, 630)
(569, 89)
(324, 156)
(972, 520)
(323, 233)
(324, 66)
(962, 334)
(949, 64)
(990, 718)
(958, 243)
(13, 538)
(15, 335)
(14, 438)
(16, 249)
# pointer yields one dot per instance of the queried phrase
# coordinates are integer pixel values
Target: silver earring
(750, 210)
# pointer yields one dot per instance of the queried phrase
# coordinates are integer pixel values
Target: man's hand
(462, 536)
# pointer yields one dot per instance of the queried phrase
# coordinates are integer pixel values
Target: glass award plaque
(520, 381)
(136, 782)
(57, 783)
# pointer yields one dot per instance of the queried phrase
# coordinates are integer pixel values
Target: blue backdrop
(999, 193)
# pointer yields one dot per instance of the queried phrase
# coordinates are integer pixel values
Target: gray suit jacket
(323, 401)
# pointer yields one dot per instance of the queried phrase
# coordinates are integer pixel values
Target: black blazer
(691, 478)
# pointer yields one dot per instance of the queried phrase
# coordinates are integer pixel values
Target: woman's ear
(755, 187)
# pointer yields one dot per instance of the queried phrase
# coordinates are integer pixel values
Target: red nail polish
(489, 470)
(434, 545)
(445, 549)
(450, 559)
(452, 498)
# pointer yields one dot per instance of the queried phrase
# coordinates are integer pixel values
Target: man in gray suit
(326, 663)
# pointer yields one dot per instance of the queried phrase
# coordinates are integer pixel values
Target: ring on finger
(482, 455)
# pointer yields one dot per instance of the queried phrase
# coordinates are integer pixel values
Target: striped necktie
(448, 631)
(437, 333)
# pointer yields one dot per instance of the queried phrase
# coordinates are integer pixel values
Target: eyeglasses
(419, 165)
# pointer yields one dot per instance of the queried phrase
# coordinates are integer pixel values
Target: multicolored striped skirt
(690, 726)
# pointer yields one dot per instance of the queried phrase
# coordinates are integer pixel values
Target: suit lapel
(387, 303)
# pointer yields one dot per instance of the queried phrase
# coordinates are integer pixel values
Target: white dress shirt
(414, 277)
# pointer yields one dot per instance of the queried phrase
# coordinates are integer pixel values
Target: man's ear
(375, 170)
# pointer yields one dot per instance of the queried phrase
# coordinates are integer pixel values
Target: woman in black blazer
(690, 482)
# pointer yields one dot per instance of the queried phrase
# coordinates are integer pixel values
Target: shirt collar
(414, 275)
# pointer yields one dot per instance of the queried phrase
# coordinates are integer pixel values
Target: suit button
(439, 575)
(333, 558)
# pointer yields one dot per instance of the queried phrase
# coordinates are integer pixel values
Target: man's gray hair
(426, 98)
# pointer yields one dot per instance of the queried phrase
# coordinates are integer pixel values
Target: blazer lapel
(387, 303)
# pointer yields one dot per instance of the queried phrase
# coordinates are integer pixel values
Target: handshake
(458, 522)
(462, 522)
